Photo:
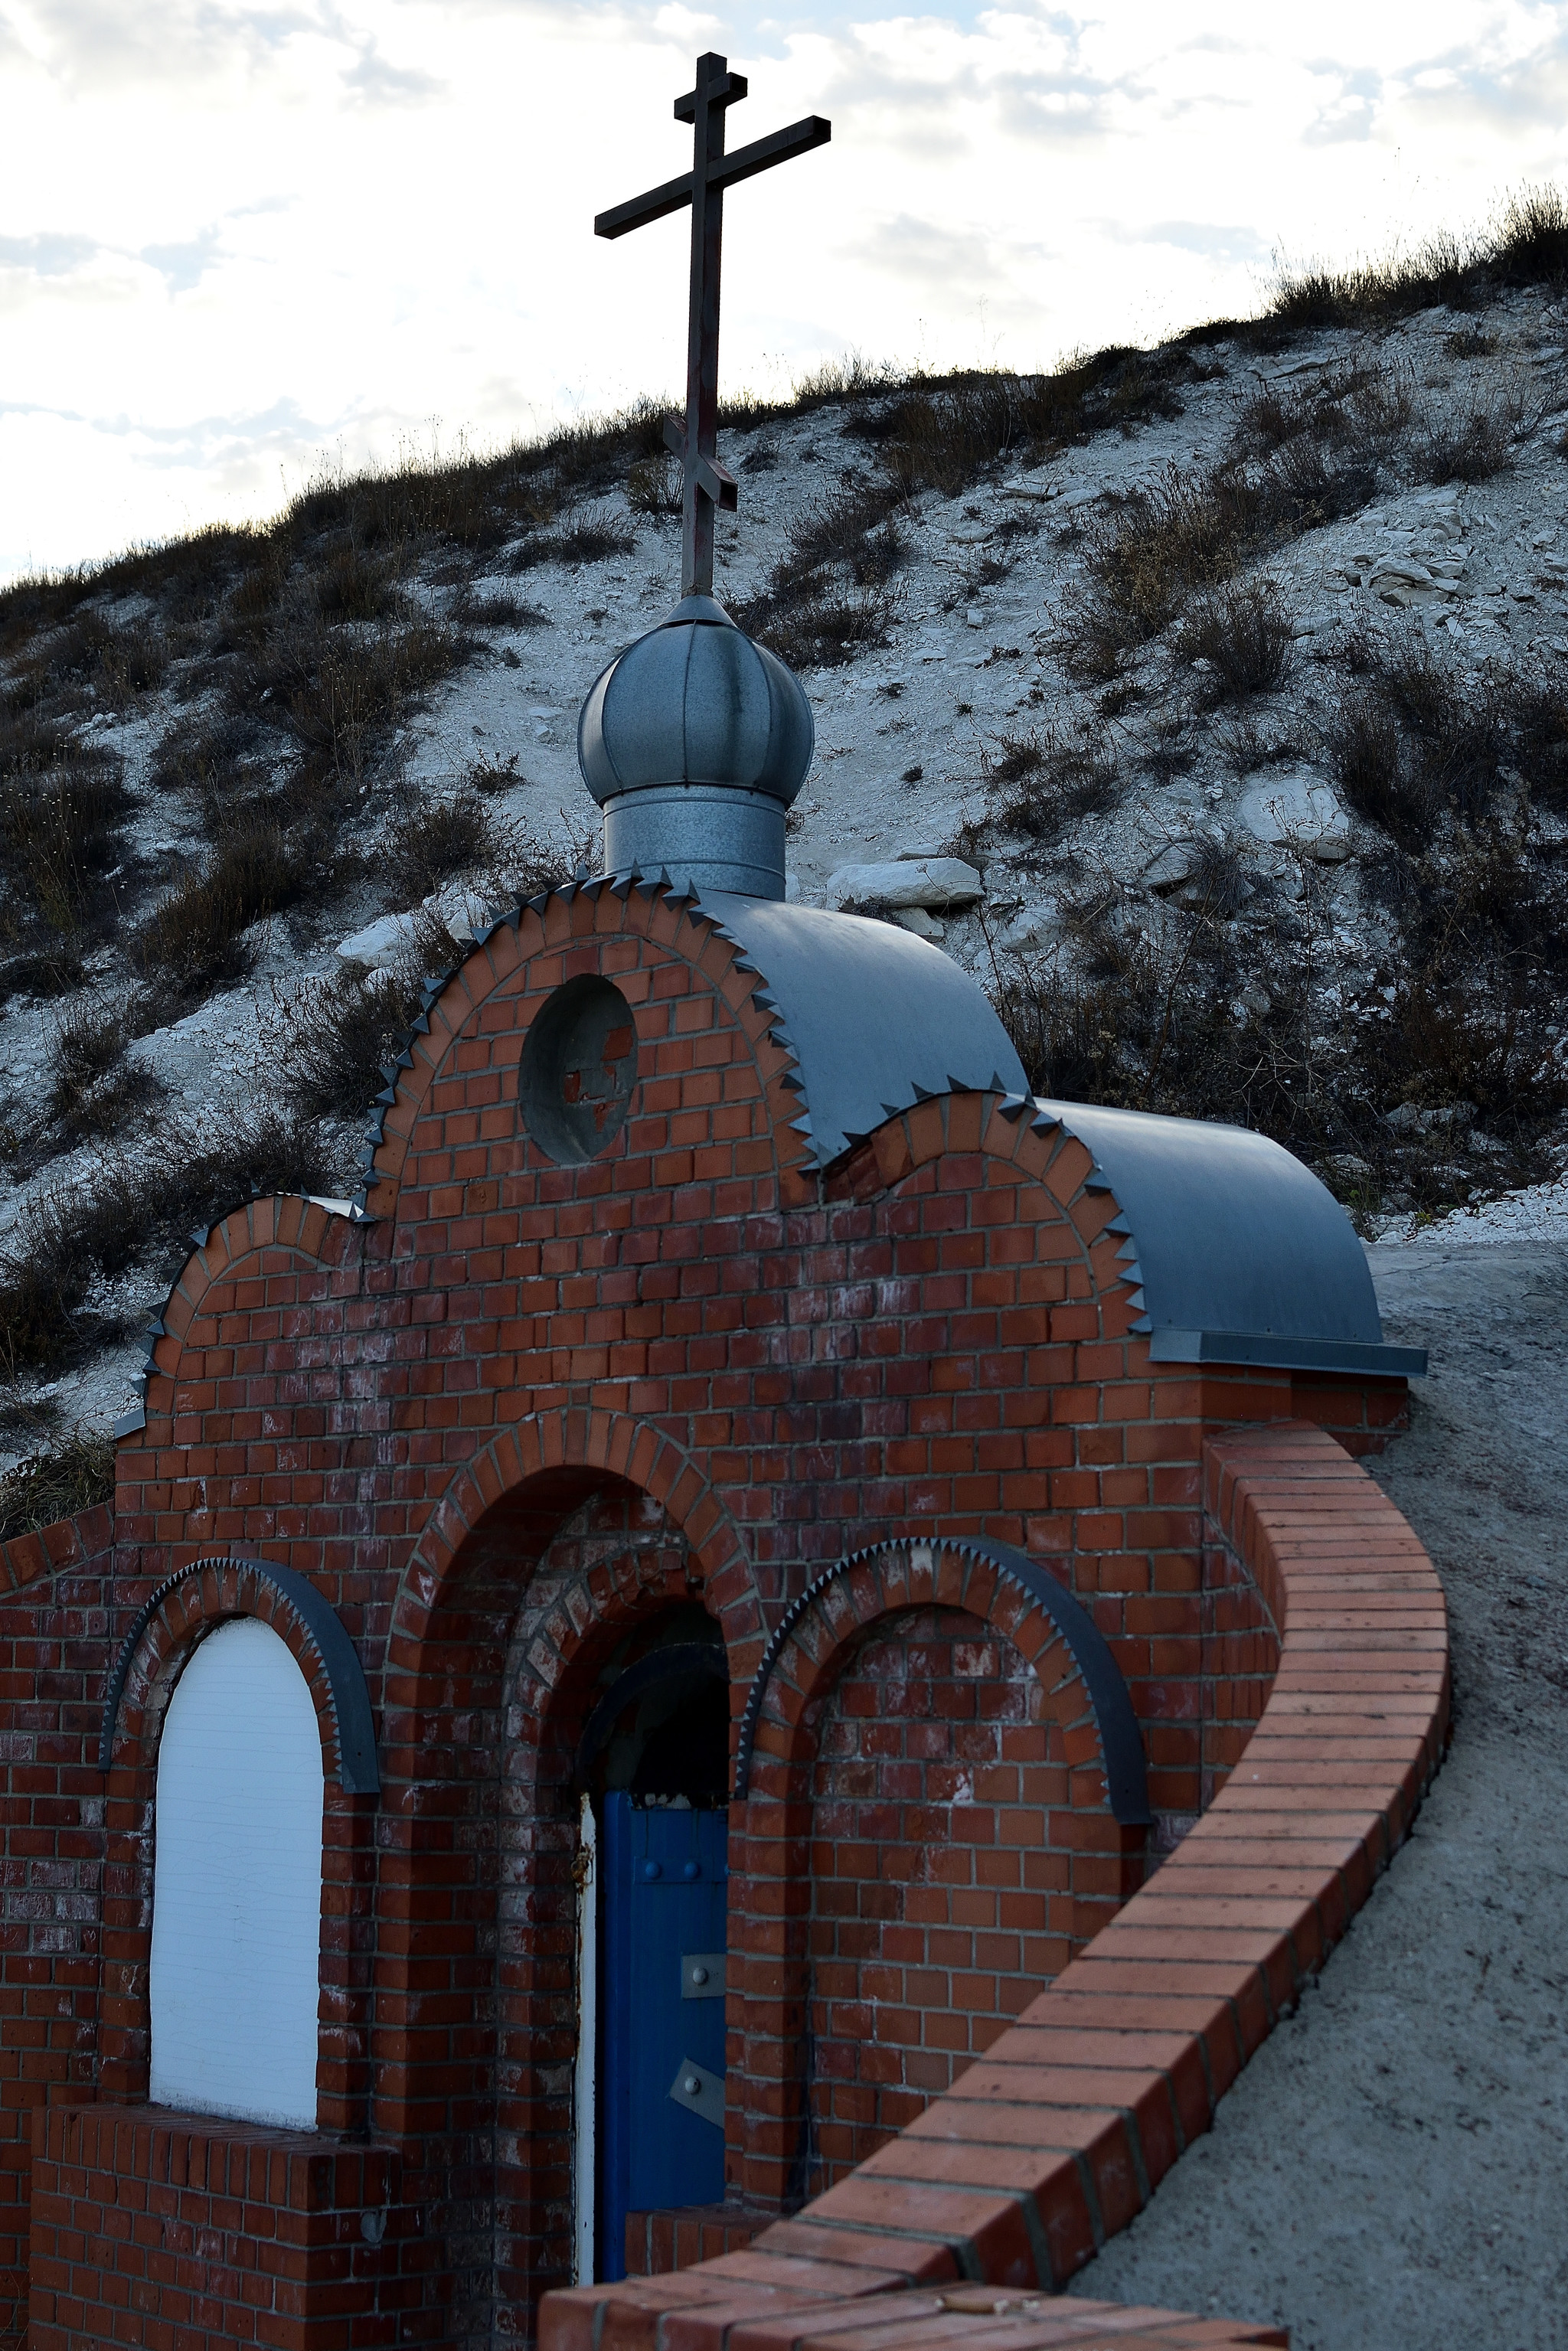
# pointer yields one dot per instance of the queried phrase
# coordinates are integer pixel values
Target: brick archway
(1091, 1860)
(182, 1615)
(564, 1532)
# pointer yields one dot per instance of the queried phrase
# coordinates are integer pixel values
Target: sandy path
(1390, 2172)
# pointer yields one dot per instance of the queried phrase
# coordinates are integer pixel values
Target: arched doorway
(653, 1775)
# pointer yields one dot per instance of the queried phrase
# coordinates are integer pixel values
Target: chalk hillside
(1209, 703)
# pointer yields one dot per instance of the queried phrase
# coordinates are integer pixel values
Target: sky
(243, 245)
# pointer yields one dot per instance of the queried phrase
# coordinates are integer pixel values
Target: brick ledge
(1051, 2142)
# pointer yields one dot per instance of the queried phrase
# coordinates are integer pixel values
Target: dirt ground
(1389, 2172)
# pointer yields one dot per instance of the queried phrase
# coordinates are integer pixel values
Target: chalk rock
(937, 883)
(1171, 868)
(1295, 810)
(463, 911)
(381, 944)
(924, 926)
(1033, 927)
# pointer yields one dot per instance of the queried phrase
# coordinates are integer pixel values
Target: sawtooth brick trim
(1053, 2139)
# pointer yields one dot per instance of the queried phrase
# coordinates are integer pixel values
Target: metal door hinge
(701, 1975)
(700, 2092)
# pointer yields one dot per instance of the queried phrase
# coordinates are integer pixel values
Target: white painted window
(236, 1884)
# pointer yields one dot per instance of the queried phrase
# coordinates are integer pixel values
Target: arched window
(237, 1885)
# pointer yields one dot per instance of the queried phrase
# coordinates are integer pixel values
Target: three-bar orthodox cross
(706, 484)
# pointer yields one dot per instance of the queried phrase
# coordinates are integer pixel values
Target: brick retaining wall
(1053, 2140)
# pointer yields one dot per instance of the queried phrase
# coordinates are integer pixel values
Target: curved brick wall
(1055, 2138)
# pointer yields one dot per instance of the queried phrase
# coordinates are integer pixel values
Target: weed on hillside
(1525, 245)
(1041, 782)
(138, 1209)
(56, 1483)
(1438, 1069)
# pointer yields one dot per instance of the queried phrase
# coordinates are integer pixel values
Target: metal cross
(706, 484)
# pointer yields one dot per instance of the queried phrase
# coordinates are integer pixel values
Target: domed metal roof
(695, 702)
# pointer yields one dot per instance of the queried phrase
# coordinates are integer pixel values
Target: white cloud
(320, 226)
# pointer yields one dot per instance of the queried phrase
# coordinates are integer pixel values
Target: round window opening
(578, 1067)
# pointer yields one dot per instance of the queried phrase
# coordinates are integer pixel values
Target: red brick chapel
(731, 1397)
(717, 1713)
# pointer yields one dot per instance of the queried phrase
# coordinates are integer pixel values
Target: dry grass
(944, 433)
(589, 538)
(193, 940)
(63, 810)
(1301, 458)
(1191, 532)
(1042, 781)
(1412, 744)
(1525, 245)
(336, 696)
(92, 1091)
(1442, 1058)
(1470, 442)
(344, 1033)
(654, 486)
(137, 1208)
(433, 840)
(833, 595)
(60, 1483)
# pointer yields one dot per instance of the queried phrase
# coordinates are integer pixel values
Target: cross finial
(706, 484)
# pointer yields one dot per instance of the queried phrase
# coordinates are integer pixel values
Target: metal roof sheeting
(1242, 1255)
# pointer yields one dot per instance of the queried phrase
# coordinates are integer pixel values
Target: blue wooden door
(661, 1940)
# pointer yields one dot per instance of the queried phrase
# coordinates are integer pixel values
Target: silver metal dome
(693, 741)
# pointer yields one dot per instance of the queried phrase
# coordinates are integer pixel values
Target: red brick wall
(55, 1591)
(941, 1898)
(155, 2230)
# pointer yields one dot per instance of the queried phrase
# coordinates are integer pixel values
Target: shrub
(944, 433)
(1467, 444)
(433, 840)
(821, 622)
(654, 486)
(62, 813)
(1144, 560)
(341, 1030)
(1244, 632)
(91, 1092)
(337, 694)
(588, 540)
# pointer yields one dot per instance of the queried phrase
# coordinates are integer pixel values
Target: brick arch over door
(220, 1591)
(549, 1548)
(831, 1835)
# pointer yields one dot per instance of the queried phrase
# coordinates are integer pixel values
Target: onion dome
(694, 741)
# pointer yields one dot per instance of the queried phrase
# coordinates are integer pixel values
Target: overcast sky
(237, 243)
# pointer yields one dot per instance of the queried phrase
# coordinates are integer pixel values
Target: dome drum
(704, 836)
